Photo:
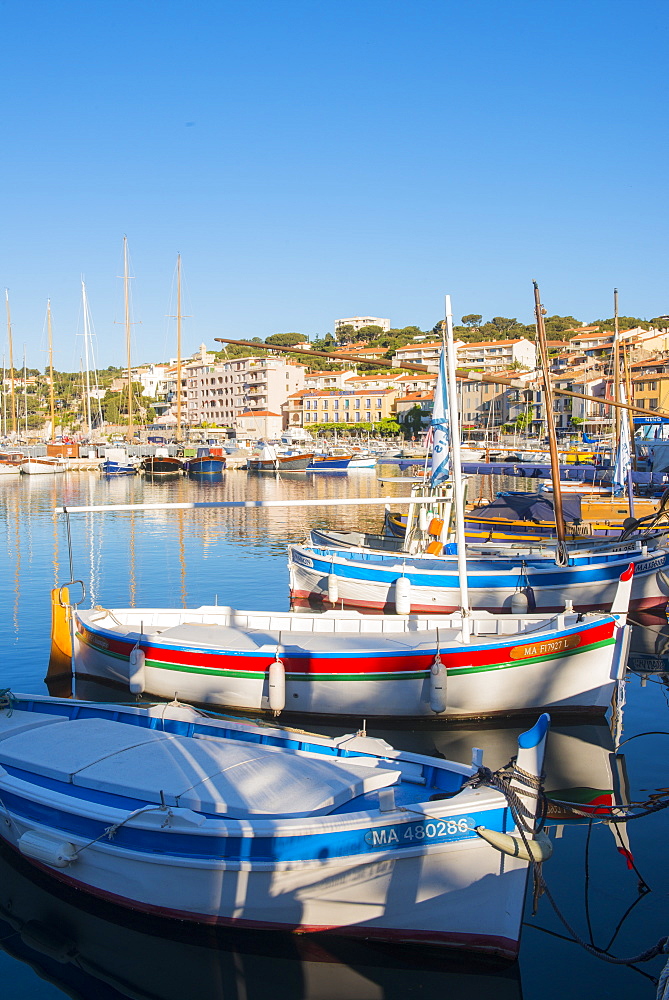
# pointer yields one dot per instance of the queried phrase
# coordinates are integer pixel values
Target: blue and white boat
(163, 810)
(204, 464)
(500, 578)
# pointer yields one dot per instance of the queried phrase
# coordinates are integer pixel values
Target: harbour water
(610, 883)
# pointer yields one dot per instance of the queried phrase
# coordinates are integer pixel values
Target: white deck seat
(223, 777)
(59, 752)
(20, 722)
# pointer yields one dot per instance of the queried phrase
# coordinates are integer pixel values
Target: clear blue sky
(312, 160)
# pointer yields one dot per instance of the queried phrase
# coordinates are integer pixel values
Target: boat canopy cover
(529, 507)
(212, 775)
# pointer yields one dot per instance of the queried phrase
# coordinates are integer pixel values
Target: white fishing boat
(44, 466)
(162, 810)
(342, 663)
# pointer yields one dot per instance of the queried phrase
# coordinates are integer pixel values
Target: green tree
(502, 324)
(286, 339)
(412, 422)
(387, 427)
(346, 333)
(369, 333)
(472, 320)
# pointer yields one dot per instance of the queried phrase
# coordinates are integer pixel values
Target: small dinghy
(162, 809)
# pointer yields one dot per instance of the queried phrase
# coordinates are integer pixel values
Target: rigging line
(586, 886)
(565, 937)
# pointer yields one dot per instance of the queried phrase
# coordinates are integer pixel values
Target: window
(357, 405)
(357, 416)
(325, 404)
(347, 403)
(336, 404)
(378, 404)
(652, 404)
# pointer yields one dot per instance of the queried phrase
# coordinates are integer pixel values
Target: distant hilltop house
(358, 322)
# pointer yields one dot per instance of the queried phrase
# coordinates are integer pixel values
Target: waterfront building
(359, 322)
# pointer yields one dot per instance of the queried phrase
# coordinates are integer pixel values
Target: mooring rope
(7, 700)
(500, 780)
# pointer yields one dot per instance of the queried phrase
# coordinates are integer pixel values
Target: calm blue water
(54, 944)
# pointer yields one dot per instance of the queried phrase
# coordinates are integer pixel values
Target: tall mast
(4, 399)
(458, 485)
(11, 363)
(178, 347)
(25, 391)
(126, 300)
(616, 364)
(51, 393)
(87, 381)
(539, 313)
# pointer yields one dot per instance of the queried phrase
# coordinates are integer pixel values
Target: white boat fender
(519, 603)
(438, 680)
(540, 846)
(423, 518)
(403, 595)
(136, 671)
(277, 686)
(333, 588)
(44, 847)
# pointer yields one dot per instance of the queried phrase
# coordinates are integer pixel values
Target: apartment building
(358, 322)
(490, 355)
(220, 393)
(651, 391)
(327, 380)
(349, 406)
(495, 354)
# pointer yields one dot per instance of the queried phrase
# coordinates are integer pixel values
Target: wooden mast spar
(461, 373)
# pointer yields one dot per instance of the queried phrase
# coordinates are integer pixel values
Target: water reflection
(94, 950)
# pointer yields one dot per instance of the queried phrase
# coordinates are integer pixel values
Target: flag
(623, 454)
(441, 428)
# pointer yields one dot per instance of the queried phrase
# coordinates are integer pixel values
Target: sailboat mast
(87, 381)
(25, 391)
(126, 302)
(4, 399)
(12, 402)
(550, 423)
(51, 392)
(616, 364)
(458, 486)
(178, 347)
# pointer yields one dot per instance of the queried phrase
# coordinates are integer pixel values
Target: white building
(220, 393)
(357, 322)
(488, 354)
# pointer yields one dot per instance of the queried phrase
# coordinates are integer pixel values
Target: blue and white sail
(623, 466)
(440, 426)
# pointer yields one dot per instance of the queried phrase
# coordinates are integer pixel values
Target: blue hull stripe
(302, 847)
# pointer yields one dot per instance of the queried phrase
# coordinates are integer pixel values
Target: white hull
(222, 658)
(401, 873)
(43, 466)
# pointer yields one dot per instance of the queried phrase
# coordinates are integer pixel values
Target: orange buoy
(435, 548)
(436, 526)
